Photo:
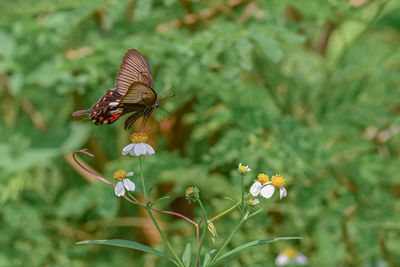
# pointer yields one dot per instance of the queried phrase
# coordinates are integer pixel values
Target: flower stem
(148, 209)
(225, 212)
(228, 239)
(204, 231)
(143, 184)
(243, 195)
(178, 260)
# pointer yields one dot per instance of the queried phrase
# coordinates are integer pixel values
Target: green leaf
(127, 244)
(208, 256)
(187, 254)
(252, 244)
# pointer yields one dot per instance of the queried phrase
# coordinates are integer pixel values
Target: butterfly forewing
(134, 68)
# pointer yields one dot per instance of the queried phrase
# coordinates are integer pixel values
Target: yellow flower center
(241, 168)
(189, 191)
(119, 175)
(251, 201)
(278, 181)
(291, 253)
(139, 137)
(263, 178)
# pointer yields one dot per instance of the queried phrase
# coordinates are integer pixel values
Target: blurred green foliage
(309, 89)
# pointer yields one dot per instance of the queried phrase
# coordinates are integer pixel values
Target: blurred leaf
(208, 257)
(187, 254)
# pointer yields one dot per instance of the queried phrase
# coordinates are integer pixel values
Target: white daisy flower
(138, 146)
(123, 182)
(290, 255)
(244, 169)
(266, 188)
(253, 201)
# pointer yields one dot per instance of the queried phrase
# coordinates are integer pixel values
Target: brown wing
(141, 94)
(134, 68)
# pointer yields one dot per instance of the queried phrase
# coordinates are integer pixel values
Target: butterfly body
(133, 93)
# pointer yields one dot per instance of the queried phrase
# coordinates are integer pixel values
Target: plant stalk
(228, 240)
(204, 231)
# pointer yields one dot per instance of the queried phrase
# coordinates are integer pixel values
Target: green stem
(204, 231)
(180, 263)
(225, 212)
(148, 209)
(228, 240)
(243, 195)
(143, 184)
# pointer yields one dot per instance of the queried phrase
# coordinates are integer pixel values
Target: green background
(307, 89)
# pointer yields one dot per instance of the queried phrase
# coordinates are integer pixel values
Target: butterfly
(133, 92)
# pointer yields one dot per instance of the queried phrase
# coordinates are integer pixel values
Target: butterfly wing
(141, 94)
(131, 120)
(134, 68)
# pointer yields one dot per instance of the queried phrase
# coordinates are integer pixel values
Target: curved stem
(128, 199)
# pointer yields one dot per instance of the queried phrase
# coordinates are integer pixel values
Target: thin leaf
(127, 244)
(208, 256)
(187, 254)
(252, 244)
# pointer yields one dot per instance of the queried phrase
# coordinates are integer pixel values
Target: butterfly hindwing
(141, 94)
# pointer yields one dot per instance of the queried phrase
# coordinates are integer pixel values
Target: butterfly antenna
(163, 95)
(169, 113)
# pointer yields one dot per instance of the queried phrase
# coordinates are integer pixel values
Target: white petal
(267, 191)
(128, 148)
(113, 104)
(129, 174)
(140, 149)
(129, 185)
(282, 259)
(132, 151)
(255, 188)
(248, 169)
(282, 192)
(256, 201)
(149, 149)
(119, 189)
(240, 165)
(301, 259)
